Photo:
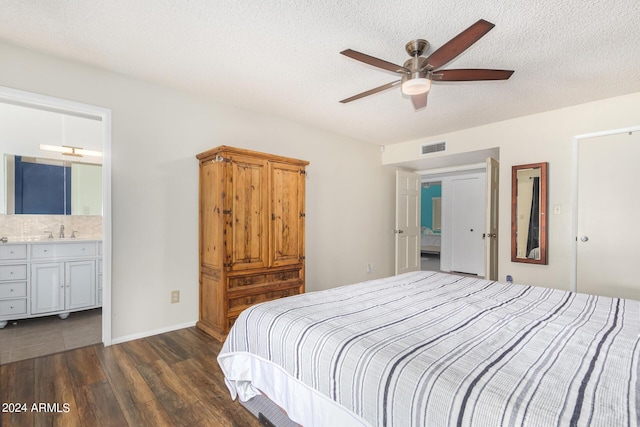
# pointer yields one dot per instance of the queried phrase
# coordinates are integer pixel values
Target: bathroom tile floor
(27, 338)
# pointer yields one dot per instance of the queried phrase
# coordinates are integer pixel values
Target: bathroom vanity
(49, 277)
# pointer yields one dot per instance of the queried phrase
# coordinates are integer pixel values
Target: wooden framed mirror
(529, 213)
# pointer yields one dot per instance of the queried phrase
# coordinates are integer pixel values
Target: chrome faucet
(61, 231)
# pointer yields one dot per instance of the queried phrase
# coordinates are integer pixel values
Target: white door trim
(492, 196)
(574, 190)
(35, 100)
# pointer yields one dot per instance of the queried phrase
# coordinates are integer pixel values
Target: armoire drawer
(13, 272)
(239, 303)
(247, 281)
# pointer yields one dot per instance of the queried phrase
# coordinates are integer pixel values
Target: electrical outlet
(370, 268)
(175, 297)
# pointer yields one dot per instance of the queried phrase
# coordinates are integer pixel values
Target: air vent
(433, 148)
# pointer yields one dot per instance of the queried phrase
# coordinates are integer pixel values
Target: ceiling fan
(418, 72)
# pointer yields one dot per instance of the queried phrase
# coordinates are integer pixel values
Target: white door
(80, 282)
(608, 211)
(467, 224)
(47, 287)
(407, 231)
(491, 216)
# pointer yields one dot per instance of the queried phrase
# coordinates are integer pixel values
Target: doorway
(441, 169)
(605, 213)
(430, 224)
(457, 245)
(61, 107)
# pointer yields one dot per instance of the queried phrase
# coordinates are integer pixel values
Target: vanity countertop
(40, 240)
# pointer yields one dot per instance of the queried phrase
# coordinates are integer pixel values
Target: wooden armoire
(252, 216)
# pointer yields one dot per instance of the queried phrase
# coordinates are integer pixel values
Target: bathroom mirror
(529, 213)
(35, 185)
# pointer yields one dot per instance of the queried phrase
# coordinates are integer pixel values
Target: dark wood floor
(172, 379)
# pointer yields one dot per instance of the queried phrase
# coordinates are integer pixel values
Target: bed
(430, 243)
(434, 349)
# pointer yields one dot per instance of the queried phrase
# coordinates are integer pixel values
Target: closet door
(287, 214)
(246, 209)
(467, 224)
(608, 212)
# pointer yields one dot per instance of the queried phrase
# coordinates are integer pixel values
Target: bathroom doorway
(72, 121)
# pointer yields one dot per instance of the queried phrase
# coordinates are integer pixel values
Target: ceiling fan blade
(367, 59)
(457, 45)
(371, 91)
(419, 101)
(471, 74)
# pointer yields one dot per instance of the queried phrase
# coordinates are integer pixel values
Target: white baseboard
(151, 333)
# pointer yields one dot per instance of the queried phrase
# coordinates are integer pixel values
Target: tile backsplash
(35, 227)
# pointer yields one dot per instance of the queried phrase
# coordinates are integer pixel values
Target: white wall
(157, 132)
(544, 137)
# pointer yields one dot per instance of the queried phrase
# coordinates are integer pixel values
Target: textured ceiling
(282, 57)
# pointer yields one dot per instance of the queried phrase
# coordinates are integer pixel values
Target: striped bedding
(433, 349)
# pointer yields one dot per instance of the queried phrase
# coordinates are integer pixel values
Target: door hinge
(398, 231)
(302, 258)
(302, 215)
(303, 172)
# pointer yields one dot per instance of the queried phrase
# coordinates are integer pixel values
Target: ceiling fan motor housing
(415, 65)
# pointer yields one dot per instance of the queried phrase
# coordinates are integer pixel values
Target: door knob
(585, 238)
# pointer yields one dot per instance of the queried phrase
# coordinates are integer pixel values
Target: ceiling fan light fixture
(416, 86)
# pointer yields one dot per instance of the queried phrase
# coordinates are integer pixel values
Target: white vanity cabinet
(61, 286)
(50, 277)
(13, 282)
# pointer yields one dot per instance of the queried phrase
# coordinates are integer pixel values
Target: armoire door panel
(249, 209)
(211, 225)
(287, 214)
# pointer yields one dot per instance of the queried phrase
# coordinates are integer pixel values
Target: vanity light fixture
(70, 151)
